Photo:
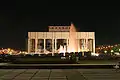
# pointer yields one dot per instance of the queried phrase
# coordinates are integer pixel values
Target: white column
(82, 53)
(93, 45)
(29, 45)
(55, 44)
(82, 44)
(44, 45)
(86, 44)
(67, 44)
(90, 45)
(78, 45)
(36, 47)
(52, 46)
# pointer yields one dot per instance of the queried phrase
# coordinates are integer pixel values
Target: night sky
(16, 19)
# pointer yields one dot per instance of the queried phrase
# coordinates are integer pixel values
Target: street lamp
(119, 50)
(105, 51)
(112, 52)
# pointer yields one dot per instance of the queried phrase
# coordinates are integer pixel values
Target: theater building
(44, 42)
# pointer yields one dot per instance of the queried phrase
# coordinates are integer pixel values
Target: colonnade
(84, 44)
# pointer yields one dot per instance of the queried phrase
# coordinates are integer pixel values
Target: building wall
(86, 38)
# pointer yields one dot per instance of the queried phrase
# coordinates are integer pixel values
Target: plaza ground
(59, 74)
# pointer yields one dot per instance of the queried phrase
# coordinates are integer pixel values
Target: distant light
(112, 51)
(94, 54)
(119, 49)
(117, 53)
(10, 53)
(105, 51)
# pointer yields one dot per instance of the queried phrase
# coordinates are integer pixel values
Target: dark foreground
(56, 66)
(59, 74)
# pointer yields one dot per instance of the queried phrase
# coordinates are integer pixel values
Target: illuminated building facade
(43, 42)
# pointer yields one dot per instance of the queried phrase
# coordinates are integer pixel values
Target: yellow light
(8, 49)
(112, 51)
(12, 50)
(119, 49)
(105, 51)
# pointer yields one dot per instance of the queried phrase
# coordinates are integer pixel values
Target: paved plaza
(59, 74)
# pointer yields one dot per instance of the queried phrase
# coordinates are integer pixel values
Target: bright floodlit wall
(41, 42)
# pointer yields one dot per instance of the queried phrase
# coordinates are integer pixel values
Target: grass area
(58, 60)
(41, 60)
(97, 61)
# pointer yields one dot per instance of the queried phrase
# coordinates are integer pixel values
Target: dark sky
(17, 18)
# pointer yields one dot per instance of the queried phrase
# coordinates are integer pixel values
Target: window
(52, 27)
